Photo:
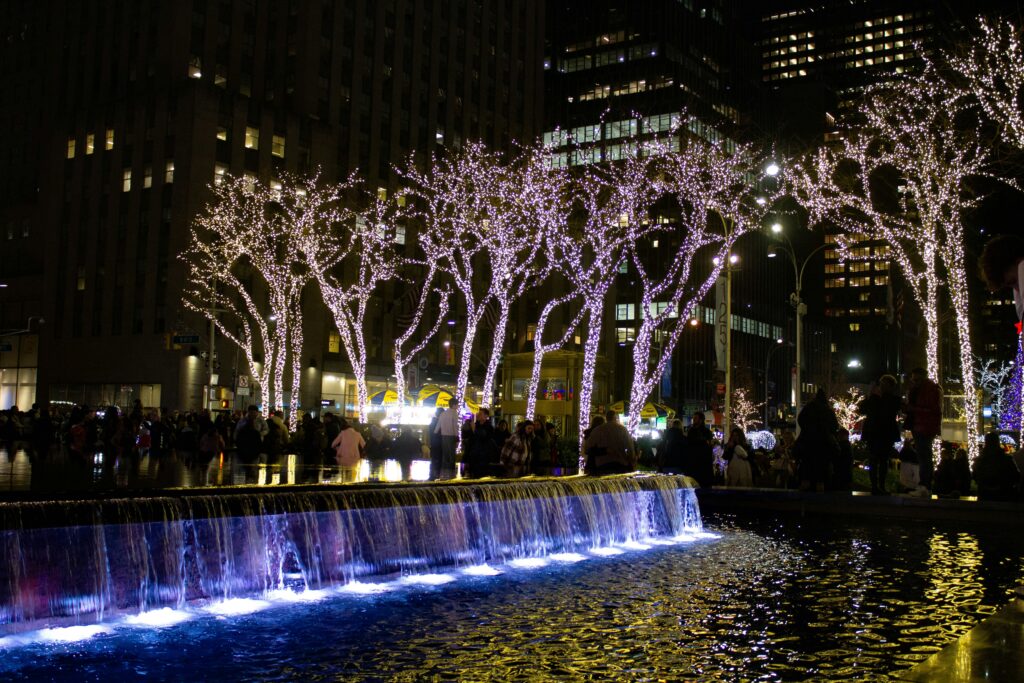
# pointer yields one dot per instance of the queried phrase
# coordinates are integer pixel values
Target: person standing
(699, 460)
(881, 429)
(448, 429)
(434, 439)
(816, 448)
(515, 455)
(480, 447)
(349, 447)
(924, 420)
(672, 452)
(739, 472)
(615, 451)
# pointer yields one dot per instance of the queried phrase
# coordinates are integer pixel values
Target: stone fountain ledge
(858, 506)
(25, 509)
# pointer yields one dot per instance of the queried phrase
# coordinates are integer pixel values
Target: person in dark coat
(435, 445)
(699, 458)
(881, 429)
(479, 445)
(995, 472)
(816, 449)
(672, 452)
(406, 448)
(842, 470)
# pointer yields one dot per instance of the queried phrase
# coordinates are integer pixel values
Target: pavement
(859, 505)
(991, 651)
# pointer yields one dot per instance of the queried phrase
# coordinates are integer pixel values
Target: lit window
(219, 171)
(882, 280)
(195, 68)
(333, 342)
(80, 284)
(126, 180)
(277, 146)
(222, 133)
(90, 143)
(71, 148)
(109, 144)
(252, 137)
(399, 234)
(625, 334)
(169, 172)
(382, 193)
(854, 327)
(275, 189)
(625, 311)
(147, 177)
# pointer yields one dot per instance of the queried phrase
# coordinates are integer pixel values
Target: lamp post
(767, 365)
(796, 300)
(732, 260)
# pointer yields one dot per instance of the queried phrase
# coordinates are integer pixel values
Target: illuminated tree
(454, 202)
(611, 203)
(350, 264)
(990, 71)
(847, 408)
(407, 344)
(903, 176)
(744, 412)
(713, 202)
(995, 378)
(529, 203)
(246, 273)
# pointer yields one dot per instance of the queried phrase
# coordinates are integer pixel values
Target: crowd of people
(895, 429)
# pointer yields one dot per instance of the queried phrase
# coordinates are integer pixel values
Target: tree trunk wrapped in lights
(246, 273)
(990, 71)
(713, 202)
(902, 175)
(350, 267)
(407, 344)
(482, 223)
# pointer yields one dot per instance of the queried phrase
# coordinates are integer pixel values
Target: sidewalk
(991, 651)
(859, 504)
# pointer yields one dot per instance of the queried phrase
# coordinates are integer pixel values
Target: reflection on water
(789, 601)
(22, 470)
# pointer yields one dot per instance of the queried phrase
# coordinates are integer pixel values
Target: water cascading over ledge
(80, 562)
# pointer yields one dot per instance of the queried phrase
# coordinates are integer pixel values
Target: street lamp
(798, 304)
(724, 325)
(767, 366)
(772, 169)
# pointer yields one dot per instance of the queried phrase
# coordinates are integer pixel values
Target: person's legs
(447, 469)
(879, 466)
(924, 445)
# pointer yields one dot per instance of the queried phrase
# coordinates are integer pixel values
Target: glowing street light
(772, 169)
(777, 227)
(854, 363)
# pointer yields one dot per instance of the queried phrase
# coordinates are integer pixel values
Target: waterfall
(80, 562)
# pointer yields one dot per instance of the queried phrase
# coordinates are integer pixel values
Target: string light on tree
(847, 408)
(744, 412)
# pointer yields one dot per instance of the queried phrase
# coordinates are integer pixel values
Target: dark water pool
(765, 601)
